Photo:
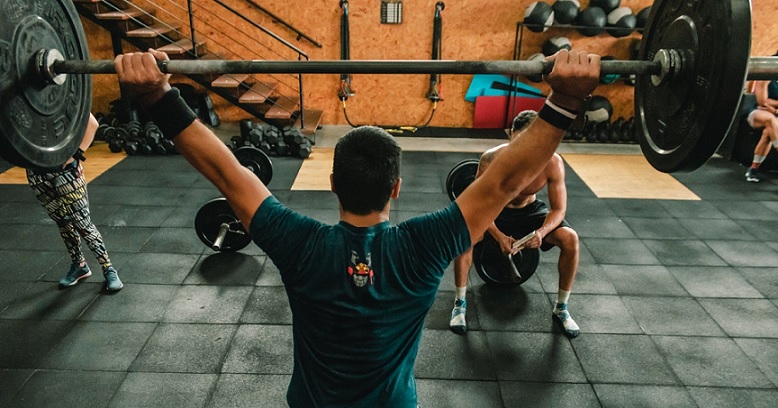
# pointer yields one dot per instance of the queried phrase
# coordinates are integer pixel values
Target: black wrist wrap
(171, 114)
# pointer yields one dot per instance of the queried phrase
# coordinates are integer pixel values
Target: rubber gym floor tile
(136, 195)
(182, 215)
(590, 279)
(623, 395)
(21, 193)
(600, 314)
(682, 209)
(247, 390)
(622, 359)
(174, 240)
(269, 275)
(656, 228)
(620, 251)
(585, 207)
(140, 390)
(126, 239)
(11, 291)
(147, 178)
(744, 317)
(153, 268)
(470, 356)
(440, 314)
(138, 216)
(746, 210)
(600, 227)
(458, 393)
(423, 184)
(28, 238)
(745, 253)
(671, 316)
(99, 346)
(225, 269)
(683, 252)
(536, 357)
(29, 266)
(43, 301)
(101, 213)
(725, 282)
(55, 389)
(185, 348)
(135, 303)
(260, 349)
(513, 309)
(761, 229)
(711, 361)
(731, 397)
(425, 202)
(643, 280)
(207, 304)
(637, 208)
(267, 305)
(11, 381)
(15, 214)
(763, 279)
(30, 342)
(716, 229)
(547, 395)
(312, 199)
(764, 352)
(199, 196)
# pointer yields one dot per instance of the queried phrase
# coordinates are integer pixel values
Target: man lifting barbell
(360, 290)
(523, 214)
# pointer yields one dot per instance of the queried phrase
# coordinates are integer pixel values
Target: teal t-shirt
(359, 298)
(772, 90)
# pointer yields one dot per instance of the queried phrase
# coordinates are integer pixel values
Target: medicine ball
(642, 18)
(565, 11)
(621, 22)
(608, 78)
(538, 16)
(591, 21)
(606, 5)
(554, 44)
(536, 77)
(599, 110)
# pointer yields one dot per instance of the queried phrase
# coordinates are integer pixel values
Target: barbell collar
(210, 67)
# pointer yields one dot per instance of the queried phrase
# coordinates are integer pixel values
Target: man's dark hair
(365, 168)
(522, 120)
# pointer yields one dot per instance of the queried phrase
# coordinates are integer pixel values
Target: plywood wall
(472, 30)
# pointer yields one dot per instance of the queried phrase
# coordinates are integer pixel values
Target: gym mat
(98, 160)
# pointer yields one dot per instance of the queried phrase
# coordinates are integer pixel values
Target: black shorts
(518, 222)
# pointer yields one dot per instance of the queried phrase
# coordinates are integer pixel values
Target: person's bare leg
(462, 265)
(567, 240)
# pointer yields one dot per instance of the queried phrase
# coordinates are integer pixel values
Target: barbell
(694, 58)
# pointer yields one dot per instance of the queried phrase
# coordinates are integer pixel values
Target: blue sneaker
(112, 281)
(568, 325)
(458, 324)
(75, 274)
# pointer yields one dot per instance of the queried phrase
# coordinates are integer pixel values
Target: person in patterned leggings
(62, 192)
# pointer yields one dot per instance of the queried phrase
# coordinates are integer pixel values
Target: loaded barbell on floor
(693, 59)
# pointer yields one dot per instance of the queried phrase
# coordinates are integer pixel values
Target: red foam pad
(490, 110)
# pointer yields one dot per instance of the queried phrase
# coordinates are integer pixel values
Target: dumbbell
(304, 149)
(255, 136)
(292, 135)
(281, 148)
(272, 135)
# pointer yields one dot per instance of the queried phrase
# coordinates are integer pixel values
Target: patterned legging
(63, 194)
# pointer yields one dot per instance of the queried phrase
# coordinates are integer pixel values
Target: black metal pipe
(264, 30)
(299, 33)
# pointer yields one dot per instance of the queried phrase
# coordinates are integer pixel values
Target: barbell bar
(694, 57)
(758, 67)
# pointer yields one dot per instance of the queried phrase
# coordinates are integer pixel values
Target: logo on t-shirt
(360, 272)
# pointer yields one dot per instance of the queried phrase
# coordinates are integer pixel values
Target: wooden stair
(129, 19)
(182, 48)
(312, 121)
(158, 34)
(101, 6)
(283, 107)
(259, 93)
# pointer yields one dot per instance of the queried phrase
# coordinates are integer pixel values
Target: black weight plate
(460, 176)
(41, 125)
(256, 160)
(209, 219)
(492, 265)
(681, 123)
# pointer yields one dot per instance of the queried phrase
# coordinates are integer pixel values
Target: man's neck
(368, 220)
